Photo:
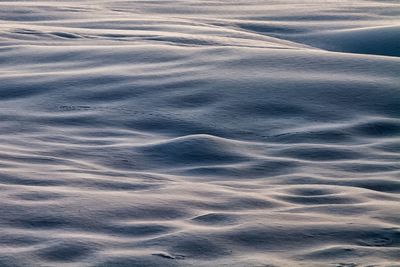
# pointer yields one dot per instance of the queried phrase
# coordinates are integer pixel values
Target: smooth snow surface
(199, 133)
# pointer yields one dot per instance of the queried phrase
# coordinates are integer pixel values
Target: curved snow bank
(372, 40)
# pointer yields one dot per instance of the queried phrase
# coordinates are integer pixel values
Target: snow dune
(199, 133)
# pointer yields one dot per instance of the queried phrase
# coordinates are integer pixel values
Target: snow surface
(199, 133)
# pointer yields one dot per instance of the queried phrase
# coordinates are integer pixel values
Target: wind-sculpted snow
(199, 133)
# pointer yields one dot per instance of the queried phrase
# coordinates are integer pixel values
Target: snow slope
(199, 133)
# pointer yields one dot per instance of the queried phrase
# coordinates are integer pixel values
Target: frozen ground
(199, 133)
